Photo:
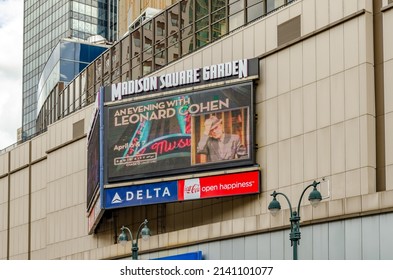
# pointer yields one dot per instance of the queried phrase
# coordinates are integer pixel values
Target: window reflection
(160, 47)
(187, 13)
(160, 27)
(173, 20)
(107, 63)
(125, 49)
(201, 9)
(218, 15)
(160, 59)
(147, 66)
(88, 80)
(255, 11)
(187, 45)
(202, 38)
(98, 68)
(83, 88)
(136, 42)
(147, 35)
(274, 4)
(173, 53)
(236, 21)
(136, 73)
(219, 29)
(202, 23)
(173, 39)
(115, 57)
(177, 31)
(217, 4)
(237, 6)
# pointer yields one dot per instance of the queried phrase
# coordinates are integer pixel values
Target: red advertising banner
(218, 186)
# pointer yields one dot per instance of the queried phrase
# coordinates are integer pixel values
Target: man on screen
(218, 145)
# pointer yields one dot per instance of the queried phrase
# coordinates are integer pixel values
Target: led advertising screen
(197, 131)
(93, 161)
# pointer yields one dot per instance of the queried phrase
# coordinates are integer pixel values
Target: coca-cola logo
(192, 189)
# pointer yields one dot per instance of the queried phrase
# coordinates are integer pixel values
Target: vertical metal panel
(153, 255)
(386, 236)
(181, 250)
(353, 239)
(172, 252)
(358, 238)
(204, 248)
(264, 247)
(370, 238)
(192, 248)
(305, 248)
(337, 240)
(226, 249)
(238, 248)
(214, 251)
(277, 245)
(320, 242)
(251, 247)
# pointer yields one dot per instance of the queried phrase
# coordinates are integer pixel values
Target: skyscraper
(45, 23)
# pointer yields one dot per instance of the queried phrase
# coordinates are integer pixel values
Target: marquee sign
(236, 69)
(181, 190)
(168, 135)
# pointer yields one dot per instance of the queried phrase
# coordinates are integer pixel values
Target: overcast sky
(11, 56)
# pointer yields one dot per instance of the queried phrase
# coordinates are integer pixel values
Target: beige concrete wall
(4, 164)
(52, 199)
(65, 191)
(19, 213)
(317, 104)
(388, 90)
(39, 174)
(20, 156)
(39, 146)
(3, 217)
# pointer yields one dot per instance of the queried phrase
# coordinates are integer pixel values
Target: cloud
(11, 56)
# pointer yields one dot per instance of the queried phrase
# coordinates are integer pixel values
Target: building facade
(45, 23)
(321, 110)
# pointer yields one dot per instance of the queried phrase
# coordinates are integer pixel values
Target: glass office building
(45, 23)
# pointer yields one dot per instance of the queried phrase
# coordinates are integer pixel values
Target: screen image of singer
(161, 136)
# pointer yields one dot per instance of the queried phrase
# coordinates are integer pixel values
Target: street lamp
(145, 233)
(274, 207)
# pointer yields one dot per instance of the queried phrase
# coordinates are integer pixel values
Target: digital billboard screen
(201, 130)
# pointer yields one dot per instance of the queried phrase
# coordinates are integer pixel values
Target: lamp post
(144, 232)
(315, 197)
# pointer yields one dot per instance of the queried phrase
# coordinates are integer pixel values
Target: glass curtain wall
(45, 23)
